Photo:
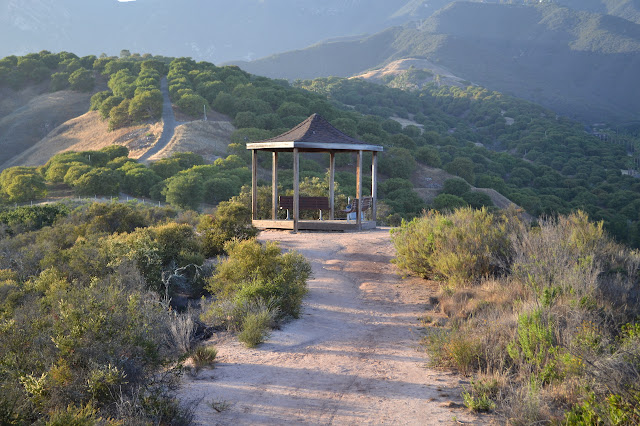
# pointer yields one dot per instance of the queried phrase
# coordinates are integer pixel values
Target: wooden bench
(304, 203)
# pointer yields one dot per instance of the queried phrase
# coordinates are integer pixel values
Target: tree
(59, 81)
(448, 202)
(462, 167)
(115, 151)
(138, 181)
(456, 186)
(397, 162)
(108, 104)
(82, 80)
(429, 155)
(99, 181)
(146, 105)
(98, 99)
(402, 141)
(184, 191)
(75, 171)
(22, 184)
(119, 116)
(477, 200)
(193, 104)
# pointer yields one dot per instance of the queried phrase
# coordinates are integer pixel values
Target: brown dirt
(87, 132)
(23, 127)
(401, 66)
(352, 358)
(207, 138)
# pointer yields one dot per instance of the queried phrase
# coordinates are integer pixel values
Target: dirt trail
(168, 120)
(352, 357)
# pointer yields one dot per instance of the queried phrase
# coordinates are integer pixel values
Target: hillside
(83, 133)
(560, 58)
(25, 124)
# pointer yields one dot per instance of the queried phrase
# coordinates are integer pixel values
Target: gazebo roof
(313, 134)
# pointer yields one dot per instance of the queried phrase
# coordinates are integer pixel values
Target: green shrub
(254, 271)
(255, 328)
(456, 186)
(232, 220)
(448, 202)
(481, 395)
(204, 356)
(460, 247)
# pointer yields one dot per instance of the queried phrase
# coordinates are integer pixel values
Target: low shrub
(255, 328)
(254, 287)
(558, 325)
(204, 356)
(460, 247)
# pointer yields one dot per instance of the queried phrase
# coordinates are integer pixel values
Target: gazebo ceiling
(313, 134)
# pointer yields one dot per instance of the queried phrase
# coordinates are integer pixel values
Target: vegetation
(544, 316)
(89, 327)
(544, 163)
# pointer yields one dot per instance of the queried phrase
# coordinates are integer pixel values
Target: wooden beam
(359, 189)
(274, 186)
(374, 185)
(254, 184)
(296, 189)
(332, 177)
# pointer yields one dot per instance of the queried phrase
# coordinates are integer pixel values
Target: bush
(204, 356)
(253, 271)
(559, 322)
(448, 202)
(255, 328)
(429, 156)
(231, 221)
(460, 247)
(477, 200)
(456, 186)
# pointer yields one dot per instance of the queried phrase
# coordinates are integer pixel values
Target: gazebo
(315, 134)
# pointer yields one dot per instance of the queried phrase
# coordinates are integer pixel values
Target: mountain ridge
(560, 58)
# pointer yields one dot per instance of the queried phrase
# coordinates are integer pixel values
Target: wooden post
(274, 186)
(374, 185)
(332, 176)
(296, 189)
(359, 190)
(254, 184)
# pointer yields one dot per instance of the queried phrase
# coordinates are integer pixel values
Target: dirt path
(168, 120)
(352, 357)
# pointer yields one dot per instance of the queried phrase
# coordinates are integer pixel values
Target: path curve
(169, 123)
(352, 358)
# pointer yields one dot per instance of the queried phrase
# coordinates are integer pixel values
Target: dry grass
(86, 132)
(25, 126)
(401, 66)
(207, 138)
(550, 329)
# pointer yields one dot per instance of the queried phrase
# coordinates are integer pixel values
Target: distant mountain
(581, 64)
(215, 30)
(627, 9)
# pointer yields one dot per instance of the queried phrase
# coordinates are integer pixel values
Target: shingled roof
(315, 129)
(314, 133)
